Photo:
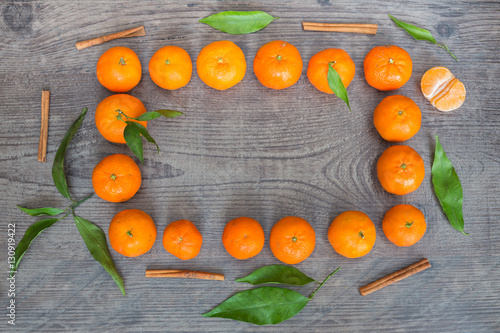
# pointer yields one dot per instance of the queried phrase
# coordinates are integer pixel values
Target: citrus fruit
(110, 115)
(317, 70)
(277, 64)
(400, 170)
(397, 118)
(132, 232)
(119, 69)
(221, 65)
(182, 239)
(243, 237)
(170, 67)
(442, 89)
(116, 178)
(352, 234)
(292, 240)
(404, 225)
(387, 67)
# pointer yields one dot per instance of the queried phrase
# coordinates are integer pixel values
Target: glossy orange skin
(400, 170)
(387, 67)
(404, 225)
(132, 232)
(442, 89)
(119, 69)
(182, 239)
(352, 234)
(243, 238)
(170, 67)
(107, 115)
(117, 178)
(221, 65)
(292, 240)
(317, 70)
(397, 118)
(277, 65)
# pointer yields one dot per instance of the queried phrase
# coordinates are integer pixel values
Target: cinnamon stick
(360, 28)
(44, 127)
(186, 274)
(134, 32)
(395, 277)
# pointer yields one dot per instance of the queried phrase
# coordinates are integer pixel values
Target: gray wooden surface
(249, 151)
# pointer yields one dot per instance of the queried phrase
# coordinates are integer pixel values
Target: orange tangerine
(442, 89)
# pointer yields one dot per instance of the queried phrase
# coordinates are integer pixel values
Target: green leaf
(420, 34)
(336, 85)
(158, 113)
(277, 274)
(34, 230)
(261, 306)
(133, 139)
(145, 133)
(448, 188)
(58, 174)
(239, 23)
(42, 211)
(95, 239)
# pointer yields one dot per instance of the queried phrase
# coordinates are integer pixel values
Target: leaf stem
(76, 204)
(322, 283)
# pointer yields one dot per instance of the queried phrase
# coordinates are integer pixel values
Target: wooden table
(249, 151)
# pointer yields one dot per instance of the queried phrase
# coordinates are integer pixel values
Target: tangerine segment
(292, 240)
(132, 232)
(352, 234)
(117, 178)
(397, 118)
(243, 238)
(442, 89)
(119, 69)
(387, 67)
(182, 239)
(277, 65)
(317, 70)
(221, 65)
(400, 170)
(404, 225)
(109, 119)
(170, 67)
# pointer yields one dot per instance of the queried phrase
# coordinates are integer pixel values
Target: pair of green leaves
(448, 188)
(420, 34)
(268, 305)
(93, 236)
(239, 23)
(133, 131)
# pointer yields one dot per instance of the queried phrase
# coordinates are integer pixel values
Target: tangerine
(182, 239)
(404, 225)
(397, 118)
(317, 70)
(112, 112)
(119, 69)
(243, 238)
(170, 67)
(117, 178)
(221, 65)
(132, 232)
(387, 67)
(442, 89)
(352, 234)
(277, 65)
(400, 170)
(292, 240)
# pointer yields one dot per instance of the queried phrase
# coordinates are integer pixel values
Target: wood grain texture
(249, 151)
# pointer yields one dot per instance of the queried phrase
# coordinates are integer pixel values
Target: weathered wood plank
(249, 151)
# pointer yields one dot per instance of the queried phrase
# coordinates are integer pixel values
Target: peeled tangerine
(442, 89)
